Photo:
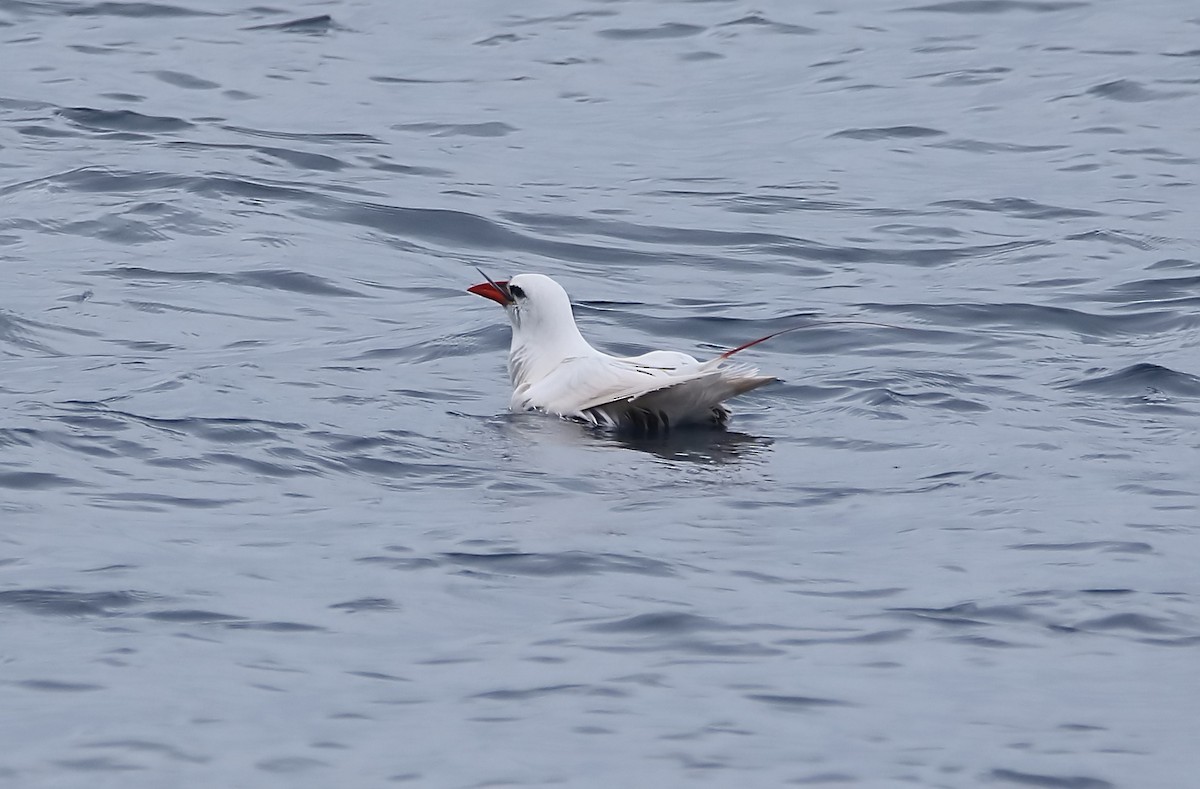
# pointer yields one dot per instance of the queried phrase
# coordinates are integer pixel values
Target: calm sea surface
(265, 521)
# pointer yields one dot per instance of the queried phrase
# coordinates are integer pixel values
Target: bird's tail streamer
(772, 335)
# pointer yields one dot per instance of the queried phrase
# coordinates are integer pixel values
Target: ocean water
(265, 521)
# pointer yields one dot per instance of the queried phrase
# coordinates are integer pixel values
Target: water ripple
(258, 480)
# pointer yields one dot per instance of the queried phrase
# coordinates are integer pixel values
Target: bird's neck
(535, 354)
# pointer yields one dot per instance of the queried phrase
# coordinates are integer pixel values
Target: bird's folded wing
(605, 388)
(698, 399)
(584, 381)
(703, 387)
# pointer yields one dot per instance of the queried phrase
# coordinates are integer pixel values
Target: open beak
(496, 291)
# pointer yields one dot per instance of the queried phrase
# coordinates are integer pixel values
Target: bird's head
(537, 306)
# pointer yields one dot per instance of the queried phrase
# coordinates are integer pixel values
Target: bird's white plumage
(554, 369)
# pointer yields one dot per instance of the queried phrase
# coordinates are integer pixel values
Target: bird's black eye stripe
(516, 291)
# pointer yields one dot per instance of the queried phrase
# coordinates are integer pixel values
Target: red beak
(497, 292)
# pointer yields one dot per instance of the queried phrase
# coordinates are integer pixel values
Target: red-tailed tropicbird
(553, 369)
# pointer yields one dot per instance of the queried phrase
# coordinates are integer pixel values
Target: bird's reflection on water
(700, 445)
(703, 445)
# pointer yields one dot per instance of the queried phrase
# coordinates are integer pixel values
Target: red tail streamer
(752, 343)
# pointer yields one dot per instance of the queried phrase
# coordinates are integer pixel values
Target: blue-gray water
(265, 521)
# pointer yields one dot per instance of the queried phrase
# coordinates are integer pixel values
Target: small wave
(35, 480)
(759, 21)
(19, 334)
(461, 228)
(122, 120)
(1132, 91)
(57, 685)
(574, 16)
(1018, 315)
(665, 30)
(796, 703)
(271, 279)
(46, 132)
(137, 747)
(1106, 546)
(1115, 238)
(997, 6)
(1019, 207)
(1049, 781)
(969, 76)
(1157, 154)
(101, 179)
(221, 430)
(1139, 379)
(388, 80)
(302, 160)
(530, 694)
(1129, 621)
(134, 10)
(311, 25)
(368, 604)
(673, 622)
(498, 39)
(158, 502)
(943, 400)
(60, 602)
(889, 133)
(490, 338)
(564, 563)
(189, 615)
(383, 165)
(981, 146)
(486, 129)
(1161, 289)
(181, 80)
(784, 246)
(329, 138)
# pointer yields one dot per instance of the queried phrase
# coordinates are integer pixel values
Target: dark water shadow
(712, 446)
(705, 446)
